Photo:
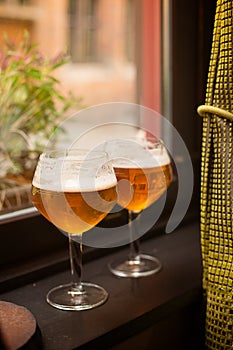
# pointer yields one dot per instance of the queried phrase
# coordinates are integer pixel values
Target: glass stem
(75, 254)
(134, 254)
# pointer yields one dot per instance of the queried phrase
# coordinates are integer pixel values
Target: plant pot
(15, 189)
(14, 195)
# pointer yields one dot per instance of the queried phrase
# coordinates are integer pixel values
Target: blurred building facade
(99, 36)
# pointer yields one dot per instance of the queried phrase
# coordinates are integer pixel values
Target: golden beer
(138, 188)
(74, 211)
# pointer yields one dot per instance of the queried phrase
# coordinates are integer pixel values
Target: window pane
(83, 27)
(99, 36)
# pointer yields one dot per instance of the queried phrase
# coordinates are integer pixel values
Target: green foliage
(32, 104)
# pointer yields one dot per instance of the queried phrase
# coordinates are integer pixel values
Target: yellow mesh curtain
(217, 184)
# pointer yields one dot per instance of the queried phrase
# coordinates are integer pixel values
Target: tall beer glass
(143, 174)
(74, 189)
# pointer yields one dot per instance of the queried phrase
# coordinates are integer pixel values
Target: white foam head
(143, 159)
(69, 175)
(136, 152)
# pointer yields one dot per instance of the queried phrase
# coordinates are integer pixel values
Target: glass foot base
(143, 265)
(65, 297)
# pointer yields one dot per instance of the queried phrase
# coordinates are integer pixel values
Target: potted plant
(32, 106)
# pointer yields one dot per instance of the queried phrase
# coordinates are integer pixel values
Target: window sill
(19, 12)
(133, 306)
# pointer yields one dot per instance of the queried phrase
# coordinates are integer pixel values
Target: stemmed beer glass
(74, 189)
(144, 172)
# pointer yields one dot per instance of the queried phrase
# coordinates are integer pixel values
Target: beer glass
(74, 189)
(144, 172)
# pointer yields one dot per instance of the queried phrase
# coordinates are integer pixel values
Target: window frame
(20, 224)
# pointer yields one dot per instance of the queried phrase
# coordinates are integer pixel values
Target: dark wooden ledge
(159, 311)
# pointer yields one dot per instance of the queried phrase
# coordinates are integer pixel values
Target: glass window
(116, 71)
(119, 51)
(83, 30)
(99, 36)
(95, 31)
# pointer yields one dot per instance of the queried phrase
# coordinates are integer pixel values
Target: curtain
(216, 207)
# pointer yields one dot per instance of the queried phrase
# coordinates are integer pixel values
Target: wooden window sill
(134, 305)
